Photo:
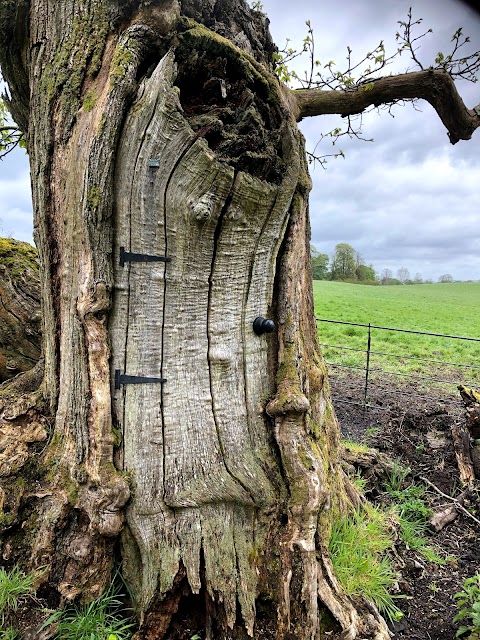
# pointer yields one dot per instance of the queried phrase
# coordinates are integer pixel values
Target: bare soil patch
(416, 432)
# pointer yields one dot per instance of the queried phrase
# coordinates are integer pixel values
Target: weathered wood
(441, 518)
(19, 308)
(195, 330)
(457, 501)
(471, 399)
(461, 444)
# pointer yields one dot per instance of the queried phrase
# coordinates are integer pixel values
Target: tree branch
(434, 86)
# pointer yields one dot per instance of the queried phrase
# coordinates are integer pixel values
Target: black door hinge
(121, 378)
(126, 256)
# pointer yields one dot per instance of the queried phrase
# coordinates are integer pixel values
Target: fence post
(367, 368)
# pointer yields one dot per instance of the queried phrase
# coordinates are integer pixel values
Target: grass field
(452, 309)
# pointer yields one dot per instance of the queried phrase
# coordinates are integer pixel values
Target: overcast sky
(408, 199)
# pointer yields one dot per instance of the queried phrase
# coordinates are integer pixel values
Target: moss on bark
(19, 308)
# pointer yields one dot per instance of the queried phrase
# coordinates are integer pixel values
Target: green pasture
(451, 308)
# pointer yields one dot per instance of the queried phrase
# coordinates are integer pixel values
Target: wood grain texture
(195, 441)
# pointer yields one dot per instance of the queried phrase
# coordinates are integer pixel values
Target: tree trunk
(160, 131)
(19, 308)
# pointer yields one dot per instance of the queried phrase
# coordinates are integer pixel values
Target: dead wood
(471, 430)
(441, 518)
(461, 444)
(456, 501)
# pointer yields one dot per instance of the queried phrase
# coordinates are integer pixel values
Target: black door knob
(263, 325)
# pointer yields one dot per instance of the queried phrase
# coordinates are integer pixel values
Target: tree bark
(19, 308)
(158, 129)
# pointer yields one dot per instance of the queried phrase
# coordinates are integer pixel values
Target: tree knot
(288, 401)
(104, 505)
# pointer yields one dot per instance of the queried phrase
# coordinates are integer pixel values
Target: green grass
(101, 618)
(358, 547)
(438, 308)
(15, 588)
(411, 513)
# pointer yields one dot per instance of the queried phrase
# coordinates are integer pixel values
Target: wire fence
(421, 379)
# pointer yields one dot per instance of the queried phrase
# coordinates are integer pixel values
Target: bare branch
(10, 138)
(456, 501)
(437, 87)
(407, 38)
(10, 134)
(313, 158)
(4, 151)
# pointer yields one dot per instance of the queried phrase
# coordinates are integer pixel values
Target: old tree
(159, 128)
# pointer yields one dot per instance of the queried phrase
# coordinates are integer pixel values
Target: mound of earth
(416, 432)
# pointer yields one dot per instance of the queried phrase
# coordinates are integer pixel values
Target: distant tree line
(347, 265)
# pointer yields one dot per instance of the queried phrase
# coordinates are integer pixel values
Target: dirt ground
(416, 432)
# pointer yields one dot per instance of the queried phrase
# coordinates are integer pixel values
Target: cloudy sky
(408, 199)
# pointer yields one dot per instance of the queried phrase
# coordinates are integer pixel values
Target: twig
(454, 500)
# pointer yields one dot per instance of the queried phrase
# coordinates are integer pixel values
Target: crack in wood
(128, 279)
(216, 237)
(162, 364)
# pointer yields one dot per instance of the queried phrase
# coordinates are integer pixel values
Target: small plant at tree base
(411, 513)
(15, 588)
(396, 477)
(468, 604)
(357, 547)
(101, 618)
(8, 633)
(360, 483)
(356, 447)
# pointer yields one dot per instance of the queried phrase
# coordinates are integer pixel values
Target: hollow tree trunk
(151, 134)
